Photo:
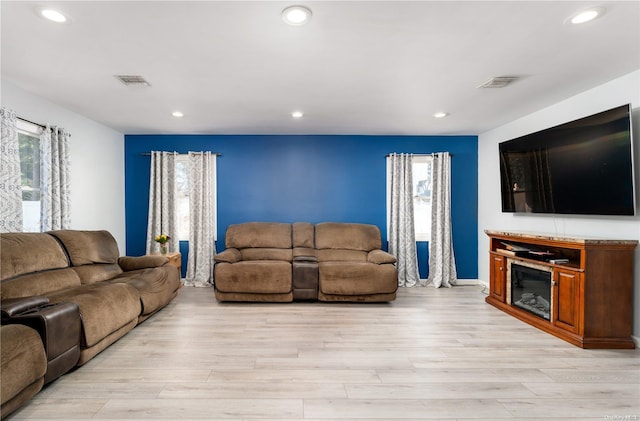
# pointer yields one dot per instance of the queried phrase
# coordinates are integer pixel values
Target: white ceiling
(359, 67)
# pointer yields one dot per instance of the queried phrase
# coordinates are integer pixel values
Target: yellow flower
(162, 238)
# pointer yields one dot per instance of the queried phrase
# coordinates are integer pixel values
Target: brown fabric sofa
(279, 262)
(351, 265)
(69, 278)
(256, 264)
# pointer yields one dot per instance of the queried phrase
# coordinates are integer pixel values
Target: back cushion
(340, 235)
(94, 254)
(89, 247)
(259, 234)
(303, 235)
(22, 253)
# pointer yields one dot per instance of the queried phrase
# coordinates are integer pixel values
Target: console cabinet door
(566, 297)
(498, 277)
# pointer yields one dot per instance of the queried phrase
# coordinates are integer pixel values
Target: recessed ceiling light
(440, 114)
(586, 15)
(297, 114)
(177, 114)
(296, 15)
(53, 15)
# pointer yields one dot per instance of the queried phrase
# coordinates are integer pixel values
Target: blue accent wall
(312, 178)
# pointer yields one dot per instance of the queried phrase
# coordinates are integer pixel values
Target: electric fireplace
(530, 288)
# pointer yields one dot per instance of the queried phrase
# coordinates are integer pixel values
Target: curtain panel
(10, 175)
(55, 200)
(162, 195)
(402, 241)
(442, 264)
(202, 227)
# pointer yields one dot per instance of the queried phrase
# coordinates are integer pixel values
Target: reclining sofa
(65, 296)
(280, 262)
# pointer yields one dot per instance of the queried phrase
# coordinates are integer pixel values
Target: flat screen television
(581, 167)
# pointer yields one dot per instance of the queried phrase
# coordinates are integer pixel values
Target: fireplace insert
(531, 289)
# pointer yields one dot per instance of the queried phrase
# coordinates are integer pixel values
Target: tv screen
(581, 167)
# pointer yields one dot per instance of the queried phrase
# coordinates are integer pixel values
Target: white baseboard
(462, 282)
(467, 282)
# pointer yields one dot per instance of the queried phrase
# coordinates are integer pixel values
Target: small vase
(163, 249)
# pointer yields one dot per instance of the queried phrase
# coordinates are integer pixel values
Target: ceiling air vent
(132, 80)
(499, 82)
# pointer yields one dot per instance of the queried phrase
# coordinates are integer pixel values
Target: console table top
(555, 237)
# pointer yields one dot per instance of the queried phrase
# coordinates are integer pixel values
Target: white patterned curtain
(10, 181)
(202, 227)
(402, 241)
(162, 194)
(442, 263)
(54, 175)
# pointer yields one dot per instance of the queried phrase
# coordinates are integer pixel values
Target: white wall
(623, 90)
(97, 162)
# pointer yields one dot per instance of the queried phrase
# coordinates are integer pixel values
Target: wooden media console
(587, 298)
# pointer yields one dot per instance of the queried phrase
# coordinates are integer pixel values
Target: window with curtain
(29, 151)
(421, 167)
(182, 197)
(182, 168)
(421, 180)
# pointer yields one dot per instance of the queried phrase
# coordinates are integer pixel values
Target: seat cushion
(23, 360)
(104, 308)
(156, 286)
(258, 276)
(355, 278)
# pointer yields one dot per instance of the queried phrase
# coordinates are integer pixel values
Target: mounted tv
(582, 167)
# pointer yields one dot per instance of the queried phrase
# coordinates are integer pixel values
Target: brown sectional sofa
(280, 262)
(74, 290)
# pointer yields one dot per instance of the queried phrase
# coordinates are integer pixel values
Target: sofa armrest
(380, 257)
(230, 255)
(14, 306)
(129, 263)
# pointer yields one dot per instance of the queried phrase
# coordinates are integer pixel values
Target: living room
(346, 179)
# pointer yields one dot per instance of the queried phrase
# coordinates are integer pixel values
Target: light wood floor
(432, 354)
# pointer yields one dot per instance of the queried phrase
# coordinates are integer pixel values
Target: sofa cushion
(104, 308)
(18, 251)
(23, 361)
(88, 247)
(259, 234)
(258, 276)
(339, 235)
(356, 278)
(90, 274)
(156, 286)
(266, 254)
(303, 235)
(39, 283)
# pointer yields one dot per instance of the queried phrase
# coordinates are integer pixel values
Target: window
(421, 172)
(182, 196)
(29, 144)
(421, 169)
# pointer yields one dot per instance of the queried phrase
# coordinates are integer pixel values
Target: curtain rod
(31, 122)
(149, 153)
(421, 154)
